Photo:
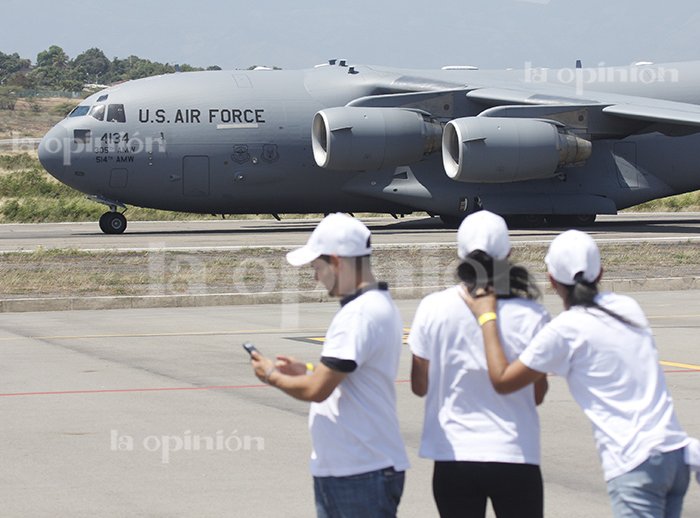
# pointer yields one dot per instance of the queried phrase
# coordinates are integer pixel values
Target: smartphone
(249, 347)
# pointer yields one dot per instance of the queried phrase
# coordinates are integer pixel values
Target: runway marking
(319, 340)
(687, 366)
(156, 389)
(672, 316)
(310, 339)
(123, 391)
(161, 334)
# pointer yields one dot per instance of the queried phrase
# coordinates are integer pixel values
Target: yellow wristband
(309, 368)
(487, 317)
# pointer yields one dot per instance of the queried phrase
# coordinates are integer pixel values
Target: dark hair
(480, 270)
(583, 293)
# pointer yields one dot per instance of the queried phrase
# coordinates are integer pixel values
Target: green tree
(189, 68)
(54, 57)
(52, 68)
(55, 70)
(11, 64)
(92, 66)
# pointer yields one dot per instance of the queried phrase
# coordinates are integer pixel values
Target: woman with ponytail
(485, 446)
(602, 344)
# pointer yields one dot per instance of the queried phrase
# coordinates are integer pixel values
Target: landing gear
(113, 223)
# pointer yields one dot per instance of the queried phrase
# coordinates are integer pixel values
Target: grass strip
(65, 272)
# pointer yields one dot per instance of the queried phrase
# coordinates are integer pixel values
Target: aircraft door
(195, 176)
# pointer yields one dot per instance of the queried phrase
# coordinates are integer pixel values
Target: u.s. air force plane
(559, 146)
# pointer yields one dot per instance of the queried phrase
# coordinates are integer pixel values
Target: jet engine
(498, 150)
(368, 139)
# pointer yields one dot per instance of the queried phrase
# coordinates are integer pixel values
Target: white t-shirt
(614, 375)
(465, 418)
(356, 429)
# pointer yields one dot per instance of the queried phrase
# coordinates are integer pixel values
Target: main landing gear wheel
(113, 223)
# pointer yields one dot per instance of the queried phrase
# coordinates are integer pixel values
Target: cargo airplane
(548, 146)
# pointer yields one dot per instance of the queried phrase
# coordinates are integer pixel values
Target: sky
(402, 33)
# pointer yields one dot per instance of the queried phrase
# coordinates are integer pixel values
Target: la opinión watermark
(167, 445)
(643, 73)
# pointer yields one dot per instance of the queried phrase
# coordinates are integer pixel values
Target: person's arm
(505, 377)
(419, 375)
(541, 388)
(314, 387)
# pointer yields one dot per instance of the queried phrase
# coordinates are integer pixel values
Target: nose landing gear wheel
(112, 223)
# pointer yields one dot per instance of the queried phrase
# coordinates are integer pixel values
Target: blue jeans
(367, 495)
(654, 489)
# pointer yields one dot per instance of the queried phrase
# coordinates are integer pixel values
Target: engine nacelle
(499, 150)
(368, 139)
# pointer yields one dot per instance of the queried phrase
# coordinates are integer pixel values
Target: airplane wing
(644, 109)
(676, 113)
(499, 96)
(506, 102)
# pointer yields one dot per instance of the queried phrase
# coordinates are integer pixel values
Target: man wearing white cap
(485, 446)
(358, 459)
(603, 346)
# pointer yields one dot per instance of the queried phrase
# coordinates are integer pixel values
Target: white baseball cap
(570, 253)
(483, 231)
(336, 234)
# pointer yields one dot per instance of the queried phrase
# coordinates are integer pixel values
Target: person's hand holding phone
(263, 367)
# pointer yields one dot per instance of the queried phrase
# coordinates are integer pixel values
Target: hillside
(34, 116)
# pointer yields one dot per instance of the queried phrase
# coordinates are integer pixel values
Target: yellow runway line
(688, 366)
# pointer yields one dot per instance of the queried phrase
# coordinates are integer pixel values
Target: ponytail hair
(583, 293)
(480, 270)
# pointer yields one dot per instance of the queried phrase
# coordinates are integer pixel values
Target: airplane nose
(54, 151)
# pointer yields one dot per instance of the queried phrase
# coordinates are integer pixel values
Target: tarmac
(147, 406)
(155, 412)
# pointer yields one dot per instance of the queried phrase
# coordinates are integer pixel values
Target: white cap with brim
(336, 234)
(483, 231)
(571, 253)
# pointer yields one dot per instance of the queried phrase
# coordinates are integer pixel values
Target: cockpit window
(98, 111)
(78, 111)
(102, 98)
(115, 113)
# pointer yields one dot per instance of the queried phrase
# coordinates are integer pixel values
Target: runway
(234, 234)
(156, 413)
